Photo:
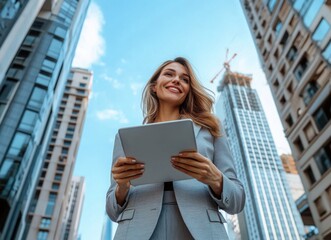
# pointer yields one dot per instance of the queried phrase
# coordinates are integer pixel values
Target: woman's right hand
(123, 171)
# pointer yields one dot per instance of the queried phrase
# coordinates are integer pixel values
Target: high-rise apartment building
(52, 209)
(288, 163)
(270, 212)
(30, 95)
(293, 41)
(74, 209)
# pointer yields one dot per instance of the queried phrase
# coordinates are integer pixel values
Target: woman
(186, 209)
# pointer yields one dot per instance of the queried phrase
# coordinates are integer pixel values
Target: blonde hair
(197, 105)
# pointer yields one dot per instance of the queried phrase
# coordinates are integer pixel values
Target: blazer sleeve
(233, 196)
(112, 207)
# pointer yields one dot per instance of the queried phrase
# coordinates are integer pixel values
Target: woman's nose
(176, 79)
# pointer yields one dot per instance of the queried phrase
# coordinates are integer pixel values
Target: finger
(188, 161)
(124, 160)
(127, 174)
(192, 174)
(120, 179)
(194, 168)
(127, 167)
(194, 155)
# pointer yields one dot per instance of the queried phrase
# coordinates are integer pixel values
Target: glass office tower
(270, 212)
(30, 94)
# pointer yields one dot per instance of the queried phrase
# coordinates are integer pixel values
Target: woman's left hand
(200, 168)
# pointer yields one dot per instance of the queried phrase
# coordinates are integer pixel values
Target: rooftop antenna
(226, 64)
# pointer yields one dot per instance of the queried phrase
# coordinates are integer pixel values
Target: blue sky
(123, 42)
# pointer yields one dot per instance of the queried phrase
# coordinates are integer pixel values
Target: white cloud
(114, 82)
(119, 71)
(91, 45)
(112, 114)
(136, 88)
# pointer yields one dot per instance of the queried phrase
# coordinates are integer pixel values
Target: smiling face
(172, 85)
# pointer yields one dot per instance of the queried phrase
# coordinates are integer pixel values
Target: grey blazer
(138, 217)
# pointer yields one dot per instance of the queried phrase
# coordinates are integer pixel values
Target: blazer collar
(196, 128)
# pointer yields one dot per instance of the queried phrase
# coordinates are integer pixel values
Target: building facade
(293, 41)
(14, 25)
(52, 210)
(74, 209)
(30, 95)
(270, 212)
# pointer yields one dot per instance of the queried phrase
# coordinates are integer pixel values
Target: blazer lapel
(196, 128)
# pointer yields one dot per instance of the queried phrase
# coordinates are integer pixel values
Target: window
(71, 127)
(80, 91)
(328, 191)
(42, 235)
(309, 132)
(68, 135)
(320, 206)
(301, 68)
(8, 168)
(44, 78)
(323, 115)
(21, 56)
(284, 39)
(298, 144)
(45, 223)
(15, 71)
(327, 52)
(312, 11)
(323, 159)
(321, 31)
(19, 144)
(57, 177)
(298, 4)
(75, 112)
(82, 84)
(50, 204)
(48, 65)
(64, 150)
(55, 186)
(60, 168)
(37, 98)
(309, 91)
(7, 90)
(28, 121)
(277, 27)
(60, 32)
(271, 5)
(54, 48)
(276, 84)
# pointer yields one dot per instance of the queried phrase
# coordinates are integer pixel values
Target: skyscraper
(293, 41)
(74, 209)
(53, 211)
(30, 94)
(270, 212)
(106, 228)
(14, 25)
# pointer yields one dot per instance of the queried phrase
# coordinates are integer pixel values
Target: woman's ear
(153, 88)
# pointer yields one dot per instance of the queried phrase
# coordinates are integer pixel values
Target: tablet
(154, 145)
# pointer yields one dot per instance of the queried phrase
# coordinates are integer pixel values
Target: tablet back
(155, 144)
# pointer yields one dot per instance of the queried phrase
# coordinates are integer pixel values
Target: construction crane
(226, 64)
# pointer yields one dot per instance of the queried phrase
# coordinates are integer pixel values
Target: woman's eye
(186, 80)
